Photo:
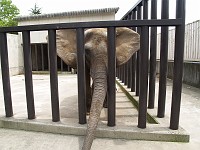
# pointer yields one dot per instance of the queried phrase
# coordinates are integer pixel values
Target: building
(38, 39)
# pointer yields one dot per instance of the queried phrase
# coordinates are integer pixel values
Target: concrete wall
(191, 72)
(15, 54)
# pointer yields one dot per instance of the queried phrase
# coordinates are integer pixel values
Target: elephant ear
(127, 43)
(66, 46)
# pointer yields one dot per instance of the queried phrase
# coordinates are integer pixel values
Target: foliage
(36, 10)
(8, 12)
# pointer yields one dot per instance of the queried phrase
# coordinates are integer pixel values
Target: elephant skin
(127, 43)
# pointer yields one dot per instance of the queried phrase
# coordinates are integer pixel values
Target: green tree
(35, 10)
(8, 12)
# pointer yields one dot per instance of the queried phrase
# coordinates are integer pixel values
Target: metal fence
(135, 73)
(142, 23)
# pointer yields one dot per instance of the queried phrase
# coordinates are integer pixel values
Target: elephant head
(127, 43)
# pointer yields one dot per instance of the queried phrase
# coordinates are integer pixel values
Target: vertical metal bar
(28, 74)
(142, 113)
(138, 56)
(36, 57)
(133, 73)
(163, 61)
(81, 76)
(88, 88)
(5, 75)
(123, 73)
(53, 75)
(143, 77)
(133, 17)
(111, 76)
(153, 48)
(129, 65)
(42, 53)
(61, 64)
(120, 72)
(178, 66)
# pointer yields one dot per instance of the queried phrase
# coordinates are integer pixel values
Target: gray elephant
(127, 43)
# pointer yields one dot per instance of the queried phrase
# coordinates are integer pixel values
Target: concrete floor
(27, 140)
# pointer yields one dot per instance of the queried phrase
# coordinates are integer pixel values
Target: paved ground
(26, 140)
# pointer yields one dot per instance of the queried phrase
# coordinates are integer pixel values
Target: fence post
(5, 75)
(53, 75)
(81, 75)
(28, 74)
(144, 54)
(163, 61)
(153, 48)
(178, 66)
(137, 92)
(133, 17)
(111, 76)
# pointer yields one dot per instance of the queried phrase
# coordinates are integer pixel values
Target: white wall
(40, 36)
(15, 54)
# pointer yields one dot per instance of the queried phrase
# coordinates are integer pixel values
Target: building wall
(15, 51)
(40, 36)
(15, 54)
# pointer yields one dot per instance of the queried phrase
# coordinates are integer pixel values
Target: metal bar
(153, 49)
(5, 75)
(28, 74)
(145, 9)
(129, 68)
(111, 76)
(122, 73)
(133, 82)
(143, 77)
(137, 93)
(53, 75)
(36, 57)
(138, 3)
(96, 24)
(178, 66)
(125, 73)
(129, 65)
(88, 88)
(81, 76)
(61, 64)
(42, 53)
(144, 55)
(163, 61)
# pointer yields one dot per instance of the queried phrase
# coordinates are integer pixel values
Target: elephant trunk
(99, 76)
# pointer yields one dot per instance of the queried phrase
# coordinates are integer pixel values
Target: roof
(69, 13)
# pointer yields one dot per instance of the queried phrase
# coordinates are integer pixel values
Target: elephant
(95, 40)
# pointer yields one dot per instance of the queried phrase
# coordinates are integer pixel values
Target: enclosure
(139, 73)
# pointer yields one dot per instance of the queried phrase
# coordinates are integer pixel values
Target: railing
(141, 71)
(135, 73)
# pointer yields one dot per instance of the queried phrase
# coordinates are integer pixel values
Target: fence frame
(142, 23)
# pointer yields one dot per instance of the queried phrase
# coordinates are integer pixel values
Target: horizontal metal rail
(97, 24)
